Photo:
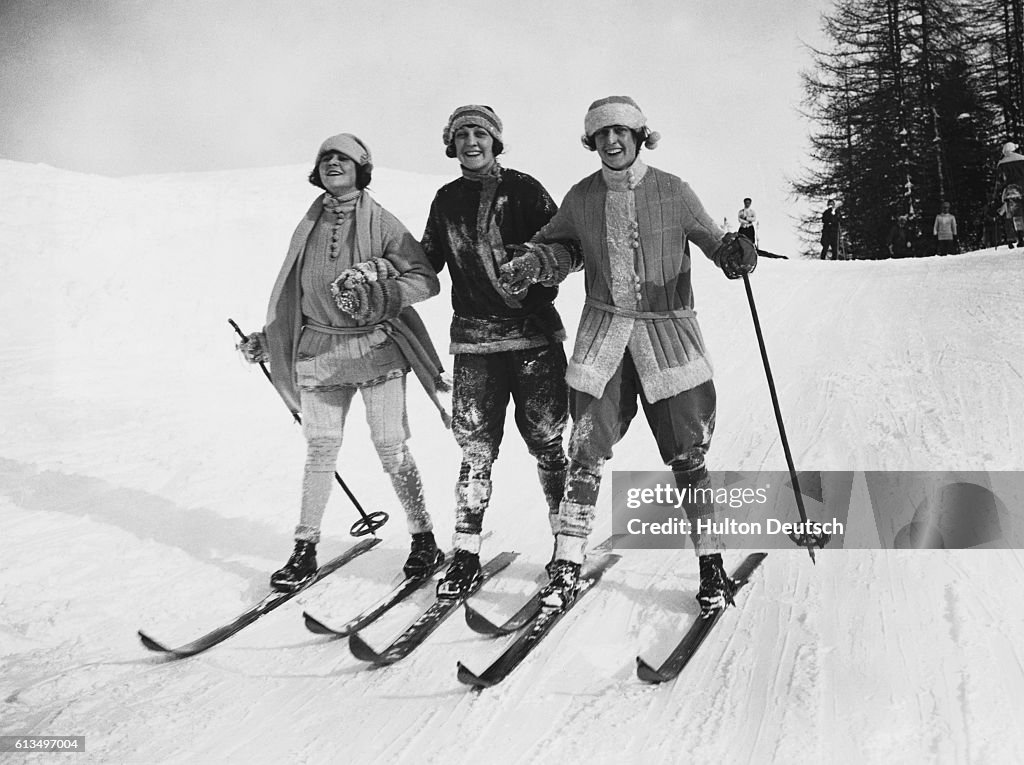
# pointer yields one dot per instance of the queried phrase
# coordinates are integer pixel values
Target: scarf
(489, 244)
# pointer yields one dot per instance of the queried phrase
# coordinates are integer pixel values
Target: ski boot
(462, 576)
(424, 557)
(299, 569)
(716, 588)
(564, 584)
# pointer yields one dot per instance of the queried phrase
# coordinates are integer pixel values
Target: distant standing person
(945, 230)
(830, 231)
(900, 244)
(1010, 189)
(748, 221)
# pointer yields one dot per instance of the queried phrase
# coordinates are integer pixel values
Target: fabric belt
(329, 330)
(676, 313)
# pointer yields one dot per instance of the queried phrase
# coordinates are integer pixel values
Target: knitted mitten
(359, 291)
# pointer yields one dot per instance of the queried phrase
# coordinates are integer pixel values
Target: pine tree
(901, 117)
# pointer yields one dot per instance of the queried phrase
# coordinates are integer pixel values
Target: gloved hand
(359, 291)
(522, 271)
(351, 299)
(736, 255)
(368, 302)
(368, 271)
(254, 348)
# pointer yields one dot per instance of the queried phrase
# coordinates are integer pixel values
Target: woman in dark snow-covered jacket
(339, 322)
(505, 347)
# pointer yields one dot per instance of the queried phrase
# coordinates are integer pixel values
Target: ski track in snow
(149, 479)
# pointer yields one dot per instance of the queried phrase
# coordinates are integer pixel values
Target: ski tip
(316, 626)
(468, 677)
(480, 623)
(647, 673)
(152, 644)
(181, 652)
(594, 569)
(361, 649)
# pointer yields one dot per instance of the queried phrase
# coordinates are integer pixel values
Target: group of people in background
(904, 240)
(340, 321)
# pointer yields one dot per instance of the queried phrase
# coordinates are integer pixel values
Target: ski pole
(807, 539)
(766, 254)
(367, 524)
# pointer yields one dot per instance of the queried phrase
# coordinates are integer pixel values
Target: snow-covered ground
(150, 479)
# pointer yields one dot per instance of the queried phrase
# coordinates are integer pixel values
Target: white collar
(624, 180)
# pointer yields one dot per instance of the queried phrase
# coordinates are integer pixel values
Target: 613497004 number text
(42, 743)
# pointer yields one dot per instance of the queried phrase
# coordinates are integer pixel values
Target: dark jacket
(471, 241)
(900, 241)
(829, 226)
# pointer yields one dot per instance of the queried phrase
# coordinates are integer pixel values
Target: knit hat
(349, 145)
(471, 114)
(1009, 148)
(617, 110)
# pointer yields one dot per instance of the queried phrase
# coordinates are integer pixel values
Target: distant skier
(504, 346)
(944, 230)
(830, 231)
(1010, 189)
(638, 337)
(338, 323)
(748, 221)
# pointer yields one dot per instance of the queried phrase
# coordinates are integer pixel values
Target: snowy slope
(149, 478)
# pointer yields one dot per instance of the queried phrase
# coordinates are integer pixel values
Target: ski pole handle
(238, 329)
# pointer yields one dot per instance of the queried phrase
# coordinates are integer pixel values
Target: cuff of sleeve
(555, 263)
(391, 298)
(384, 268)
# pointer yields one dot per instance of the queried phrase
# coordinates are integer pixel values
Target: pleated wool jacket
(635, 236)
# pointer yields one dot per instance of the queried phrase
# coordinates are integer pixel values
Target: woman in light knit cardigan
(338, 322)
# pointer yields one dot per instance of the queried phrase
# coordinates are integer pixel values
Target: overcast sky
(123, 87)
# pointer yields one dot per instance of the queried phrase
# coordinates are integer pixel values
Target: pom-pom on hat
(349, 145)
(617, 110)
(472, 114)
